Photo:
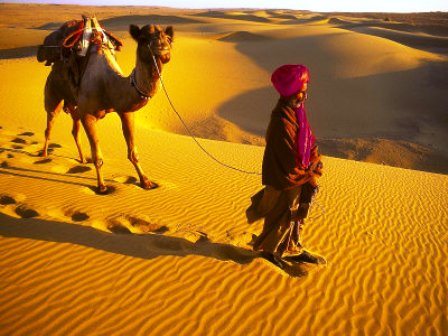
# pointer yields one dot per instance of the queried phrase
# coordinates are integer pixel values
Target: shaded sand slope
(375, 89)
(420, 37)
(433, 23)
(185, 269)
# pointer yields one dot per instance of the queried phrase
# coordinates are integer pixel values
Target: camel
(103, 89)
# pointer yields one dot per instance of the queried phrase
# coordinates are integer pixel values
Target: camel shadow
(20, 52)
(148, 246)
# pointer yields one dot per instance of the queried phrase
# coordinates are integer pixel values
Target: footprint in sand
(6, 200)
(29, 134)
(19, 141)
(189, 233)
(17, 147)
(77, 216)
(78, 169)
(46, 160)
(131, 224)
(118, 228)
(145, 226)
(25, 211)
(54, 145)
(10, 156)
(93, 190)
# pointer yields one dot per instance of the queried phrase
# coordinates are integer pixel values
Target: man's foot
(277, 261)
(307, 257)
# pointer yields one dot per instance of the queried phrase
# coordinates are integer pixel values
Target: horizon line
(23, 2)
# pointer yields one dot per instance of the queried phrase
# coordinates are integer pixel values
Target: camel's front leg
(89, 123)
(127, 124)
(51, 118)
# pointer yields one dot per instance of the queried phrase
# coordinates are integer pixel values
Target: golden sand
(177, 260)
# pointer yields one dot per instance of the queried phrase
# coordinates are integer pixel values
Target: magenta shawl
(305, 137)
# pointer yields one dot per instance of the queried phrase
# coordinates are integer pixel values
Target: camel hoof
(102, 190)
(43, 154)
(147, 184)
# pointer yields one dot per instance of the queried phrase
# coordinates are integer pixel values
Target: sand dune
(433, 23)
(234, 15)
(242, 36)
(419, 41)
(177, 260)
(409, 35)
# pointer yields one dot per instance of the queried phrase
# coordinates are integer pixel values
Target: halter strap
(139, 91)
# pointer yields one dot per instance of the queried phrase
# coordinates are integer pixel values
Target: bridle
(156, 37)
(133, 80)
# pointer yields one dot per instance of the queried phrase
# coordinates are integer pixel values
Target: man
(291, 166)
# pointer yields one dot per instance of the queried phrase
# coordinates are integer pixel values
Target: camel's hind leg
(89, 123)
(75, 132)
(52, 111)
(127, 124)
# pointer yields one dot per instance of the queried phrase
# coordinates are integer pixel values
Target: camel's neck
(125, 94)
(145, 77)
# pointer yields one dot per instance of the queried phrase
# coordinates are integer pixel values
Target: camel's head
(153, 40)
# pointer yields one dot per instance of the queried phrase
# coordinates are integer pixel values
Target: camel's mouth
(162, 51)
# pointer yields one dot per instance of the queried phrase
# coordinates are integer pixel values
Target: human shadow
(148, 246)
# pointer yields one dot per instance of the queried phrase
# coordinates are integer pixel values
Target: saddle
(75, 37)
(67, 47)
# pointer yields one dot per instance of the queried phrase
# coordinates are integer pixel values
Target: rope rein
(191, 133)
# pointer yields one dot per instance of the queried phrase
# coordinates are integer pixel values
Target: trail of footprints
(23, 210)
(24, 144)
(123, 224)
(11, 146)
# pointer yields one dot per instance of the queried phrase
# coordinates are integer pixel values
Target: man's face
(301, 96)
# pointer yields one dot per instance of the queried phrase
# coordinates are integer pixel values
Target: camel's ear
(170, 32)
(134, 31)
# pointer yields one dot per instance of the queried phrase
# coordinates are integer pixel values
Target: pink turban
(289, 79)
